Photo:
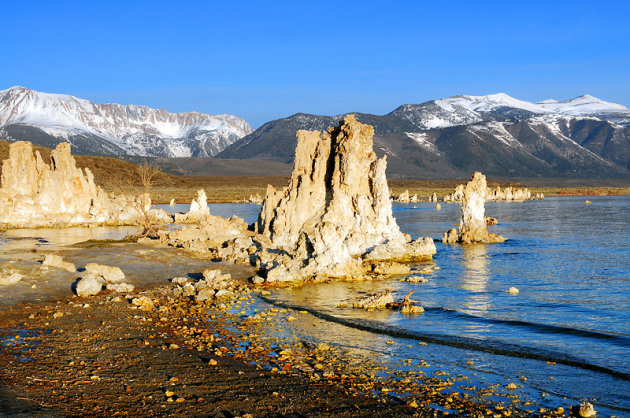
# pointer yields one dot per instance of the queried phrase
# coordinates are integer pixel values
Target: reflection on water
(68, 236)
(475, 278)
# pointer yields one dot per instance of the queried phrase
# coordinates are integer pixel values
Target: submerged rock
(472, 226)
(55, 260)
(9, 277)
(584, 409)
(377, 301)
(335, 211)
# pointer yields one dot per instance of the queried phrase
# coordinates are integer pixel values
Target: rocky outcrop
(336, 211)
(473, 226)
(198, 209)
(39, 194)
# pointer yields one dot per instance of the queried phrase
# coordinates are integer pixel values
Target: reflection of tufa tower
(475, 278)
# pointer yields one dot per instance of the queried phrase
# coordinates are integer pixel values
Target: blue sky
(266, 60)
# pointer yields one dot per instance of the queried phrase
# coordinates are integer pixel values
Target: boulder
(107, 273)
(89, 285)
(55, 260)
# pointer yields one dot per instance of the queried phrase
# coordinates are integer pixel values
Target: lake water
(567, 330)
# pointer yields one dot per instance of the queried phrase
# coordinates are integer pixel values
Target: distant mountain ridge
(114, 129)
(446, 138)
(498, 134)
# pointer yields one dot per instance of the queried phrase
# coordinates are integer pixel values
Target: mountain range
(497, 134)
(446, 138)
(114, 129)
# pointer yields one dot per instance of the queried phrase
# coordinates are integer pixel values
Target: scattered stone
(144, 303)
(204, 295)
(588, 202)
(257, 280)
(513, 290)
(181, 280)
(55, 260)
(438, 206)
(491, 221)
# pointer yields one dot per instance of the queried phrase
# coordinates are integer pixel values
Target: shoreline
(66, 357)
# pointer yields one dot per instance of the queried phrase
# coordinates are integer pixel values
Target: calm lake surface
(571, 263)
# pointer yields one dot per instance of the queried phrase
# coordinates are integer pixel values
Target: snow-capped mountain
(114, 129)
(498, 134)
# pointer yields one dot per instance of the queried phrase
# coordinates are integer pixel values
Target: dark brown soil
(100, 360)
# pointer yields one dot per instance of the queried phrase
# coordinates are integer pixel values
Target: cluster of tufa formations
(39, 194)
(507, 194)
(473, 223)
(333, 221)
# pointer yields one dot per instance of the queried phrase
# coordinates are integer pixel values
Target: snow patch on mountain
(421, 139)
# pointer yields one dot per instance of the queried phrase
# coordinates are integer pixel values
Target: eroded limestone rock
(198, 211)
(472, 227)
(56, 194)
(335, 211)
